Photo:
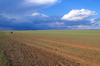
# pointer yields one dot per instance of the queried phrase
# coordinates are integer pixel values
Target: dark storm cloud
(39, 23)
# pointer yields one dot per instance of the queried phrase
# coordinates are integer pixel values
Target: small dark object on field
(11, 32)
(56, 49)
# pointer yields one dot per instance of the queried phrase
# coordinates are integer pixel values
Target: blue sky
(49, 14)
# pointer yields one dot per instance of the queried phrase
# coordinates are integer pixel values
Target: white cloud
(27, 3)
(80, 26)
(35, 14)
(44, 15)
(85, 27)
(40, 15)
(42, 1)
(56, 24)
(95, 20)
(24, 7)
(59, 23)
(77, 15)
(69, 26)
(92, 20)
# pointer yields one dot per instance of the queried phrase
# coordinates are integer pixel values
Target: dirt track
(60, 43)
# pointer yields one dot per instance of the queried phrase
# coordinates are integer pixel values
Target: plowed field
(26, 49)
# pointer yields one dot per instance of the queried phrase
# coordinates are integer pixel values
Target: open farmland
(52, 47)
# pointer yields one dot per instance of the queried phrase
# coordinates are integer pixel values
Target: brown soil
(66, 54)
(23, 54)
(60, 43)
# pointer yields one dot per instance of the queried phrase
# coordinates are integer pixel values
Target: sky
(49, 14)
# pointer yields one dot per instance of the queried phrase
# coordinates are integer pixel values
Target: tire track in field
(59, 43)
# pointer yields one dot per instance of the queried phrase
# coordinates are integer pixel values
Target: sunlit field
(79, 46)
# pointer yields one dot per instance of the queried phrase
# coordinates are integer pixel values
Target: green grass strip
(3, 57)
